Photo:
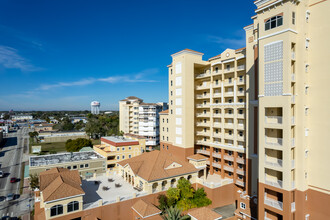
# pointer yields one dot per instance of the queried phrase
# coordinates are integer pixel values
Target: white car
(1, 173)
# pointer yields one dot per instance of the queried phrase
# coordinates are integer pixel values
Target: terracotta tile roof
(134, 136)
(58, 183)
(130, 98)
(145, 209)
(243, 48)
(217, 56)
(164, 112)
(197, 157)
(152, 165)
(194, 51)
(204, 213)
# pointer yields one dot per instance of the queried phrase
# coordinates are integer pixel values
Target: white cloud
(10, 59)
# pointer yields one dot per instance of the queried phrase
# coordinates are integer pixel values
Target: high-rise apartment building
(289, 41)
(137, 117)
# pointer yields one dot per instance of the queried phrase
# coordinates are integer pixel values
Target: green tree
(173, 195)
(34, 181)
(200, 199)
(162, 199)
(77, 144)
(174, 213)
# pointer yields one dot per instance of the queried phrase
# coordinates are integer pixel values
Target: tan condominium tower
(208, 109)
(289, 43)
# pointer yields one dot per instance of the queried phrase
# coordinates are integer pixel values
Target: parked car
(13, 180)
(10, 196)
(1, 173)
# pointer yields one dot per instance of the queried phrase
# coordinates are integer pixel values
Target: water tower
(95, 107)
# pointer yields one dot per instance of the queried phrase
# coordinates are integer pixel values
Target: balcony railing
(229, 125)
(228, 70)
(293, 99)
(227, 157)
(216, 134)
(218, 94)
(216, 115)
(203, 152)
(293, 206)
(274, 141)
(275, 183)
(292, 142)
(229, 93)
(216, 85)
(203, 115)
(240, 160)
(202, 105)
(293, 77)
(203, 75)
(217, 72)
(241, 67)
(216, 165)
(203, 96)
(240, 81)
(203, 87)
(273, 203)
(293, 55)
(231, 169)
(240, 172)
(292, 164)
(273, 119)
(274, 163)
(202, 133)
(217, 155)
(240, 183)
(217, 124)
(207, 162)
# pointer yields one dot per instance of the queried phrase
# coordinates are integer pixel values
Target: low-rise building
(43, 127)
(21, 117)
(60, 193)
(88, 163)
(47, 136)
(156, 171)
(118, 148)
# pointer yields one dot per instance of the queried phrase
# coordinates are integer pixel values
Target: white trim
(287, 94)
(267, 6)
(147, 215)
(249, 27)
(279, 32)
(261, 96)
(186, 51)
(229, 60)
(64, 198)
(261, 2)
(274, 42)
(241, 57)
(213, 64)
(229, 104)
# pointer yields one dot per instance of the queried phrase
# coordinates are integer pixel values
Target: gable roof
(187, 50)
(151, 166)
(58, 183)
(197, 157)
(204, 213)
(164, 112)
(131, 98)
(145, 209)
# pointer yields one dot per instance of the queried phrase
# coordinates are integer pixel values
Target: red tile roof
(204, 213)
(145, 208)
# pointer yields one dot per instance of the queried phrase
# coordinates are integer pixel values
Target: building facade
(118, 148)
(137, 117)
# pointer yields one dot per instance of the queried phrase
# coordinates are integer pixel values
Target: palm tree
(173, 213)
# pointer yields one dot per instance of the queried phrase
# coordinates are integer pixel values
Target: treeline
(102, 125)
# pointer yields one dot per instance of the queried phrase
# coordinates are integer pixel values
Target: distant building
(43, 127)
(87, 163)
(118, 148)
(78, 119)
(137, 117)
(95, 107)
(21, 117)
(47, 136)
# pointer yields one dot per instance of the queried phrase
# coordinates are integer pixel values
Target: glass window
(129, 156)
(273, 22)
(86, 165)
(56, 210)
(118, 149)
(123, 148)
(69, 167)
(81, 165)
(73, 206)
(118, 157)
(123, 156)
(74, 167)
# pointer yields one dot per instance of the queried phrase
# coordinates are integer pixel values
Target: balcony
(229, 125)
(202, 133)
(217, 72)
(228, 83)
(217, 124)
(240, 138)
(229, 70)
(240, 172)
(217, 95)
(203, 96)
(240, 125)
(228, 94)
(218, 135)
(228, 168)
(203, 115)
(293, 77)
(228, 136)
(202, 75)
(273, 203)
(293, 99)
(207, 162)
(202, 142)
(273, 163)
(217, 115)
(274, 141)
(240, 67)
(227, 157)
(240, 81)
(202, 124)
(216, 165)
(202, 87)
(202, 105)
(240, 160)
(227, 115)
(273, 119)
(217, 155)
(216, 85)
(203, 152)
(240, 183)
(275, 183)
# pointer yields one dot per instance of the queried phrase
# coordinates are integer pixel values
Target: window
(123, 156)
(229, 79)
(171, 93)
(86, 165)
(241, 133)
(216, 169)
(241, 78)
(123, 148)
(118, 149)
(163, 120)
(171, 102)
(163, 129)
(171, 111)
(230, 163)
(241, 90)
(216, 131)
(242, 205)
(129, 156)
(73, 206)
(129, 148)
(293, 17)
(230, 173)
(228, 67)
(216, 82)
(74, 167)
(171, 71)
(56, 210)
(240, 112)
(240, 166)
(167, 120)
(216, 160)
(217, 101)
(240, 155)
(81, 165)
(118, 157)
(273, 22)
(167, 147)
(230, 153)
(216, 70)
(69, 167)
(230, 111)
(166, 138)
(229, 100)
(171, 83)
(229, 132)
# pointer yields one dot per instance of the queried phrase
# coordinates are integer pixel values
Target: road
(11, 164)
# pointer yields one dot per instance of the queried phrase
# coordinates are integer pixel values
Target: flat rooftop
(118, 139)
(45, 160)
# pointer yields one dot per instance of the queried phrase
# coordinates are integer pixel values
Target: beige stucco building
(118, 148)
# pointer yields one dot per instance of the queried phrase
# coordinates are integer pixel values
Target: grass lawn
(96, 142)
(54, 146)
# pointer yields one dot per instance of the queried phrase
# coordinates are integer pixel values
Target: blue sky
(63, 54)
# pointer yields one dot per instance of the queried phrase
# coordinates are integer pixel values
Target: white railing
(203, 115)
(241, 172)
(240, 160)
(203, 87)
(218, 94)
(229, 93)
(90, 205)
(241, 67)
(201, 133)
(293, 99)
(273, 119)
(228, 70)
(203, 152)
(229, 125)
(292, 142)
(216, 115)
(274, 203)
(216, 165)
(292, 120)
(277, 141)
(241, 183)
(293, 55)
(203, 96)
(292, 164)
(217, 155)
(229, 168)
(227, 157)
(293, 207)
(293, 77)
(276, 163)
(217, 124)
(276, 183)
(202, 75)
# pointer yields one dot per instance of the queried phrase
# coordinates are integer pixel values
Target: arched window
(56, 210)
(73, 206)
(273, 22)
